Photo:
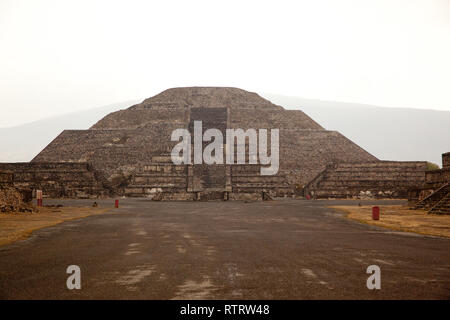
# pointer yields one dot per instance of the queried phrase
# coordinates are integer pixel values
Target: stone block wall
(247, 179)
(9, 191)
(6, 179)
(446, 160)
(437, 177)
(319, 148)
(166, 181)
(157, 178)
(381, 179)
(272, 119)
(434, 180)
(134, 118)
(57, 180)
(113, 152)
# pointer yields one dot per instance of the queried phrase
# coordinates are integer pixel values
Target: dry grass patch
(401, 218)
(19, 225)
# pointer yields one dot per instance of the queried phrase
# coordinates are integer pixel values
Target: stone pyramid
(128, 141)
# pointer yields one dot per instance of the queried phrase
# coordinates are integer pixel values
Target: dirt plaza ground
(20, 225)
(283, 249)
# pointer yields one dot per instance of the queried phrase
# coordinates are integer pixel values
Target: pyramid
(128, 142)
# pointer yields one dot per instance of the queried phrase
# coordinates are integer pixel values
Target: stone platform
(380, 179)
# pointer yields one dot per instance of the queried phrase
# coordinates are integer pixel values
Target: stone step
(431, 200)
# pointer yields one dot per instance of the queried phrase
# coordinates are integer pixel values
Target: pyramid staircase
(438, 202)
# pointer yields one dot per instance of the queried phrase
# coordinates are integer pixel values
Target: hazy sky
(61, 56)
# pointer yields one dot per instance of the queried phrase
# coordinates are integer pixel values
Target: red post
(116, 203)
(39, 198)
(375, 213)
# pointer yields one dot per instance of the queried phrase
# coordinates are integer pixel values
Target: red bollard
(376, 213)
(39, 198)
(116, 203)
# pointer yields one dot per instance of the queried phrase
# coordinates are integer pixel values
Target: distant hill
(23, 142)
(387, 133)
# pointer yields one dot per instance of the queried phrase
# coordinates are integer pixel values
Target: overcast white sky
(62, 56)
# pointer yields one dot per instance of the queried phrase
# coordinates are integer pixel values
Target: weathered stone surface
(6, 179)
(128, 152)
(204, 182)
(380, 179)
(123, 142)
(12, 198)
(434, 193)
(446, 160)
(434, 179)
(57, 180)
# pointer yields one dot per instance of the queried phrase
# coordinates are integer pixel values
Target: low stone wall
(57, 180)
(156, 178)
(166, 181)
(437, 177)
(248, 179)
(6, 179)
(381, 179)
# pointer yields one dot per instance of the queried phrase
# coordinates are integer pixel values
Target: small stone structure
(434, 194)
(436, 178)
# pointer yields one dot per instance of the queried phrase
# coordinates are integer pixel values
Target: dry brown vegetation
(19, 225)
(401, 218)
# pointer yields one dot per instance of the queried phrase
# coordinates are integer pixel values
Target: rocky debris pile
(14, 200)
